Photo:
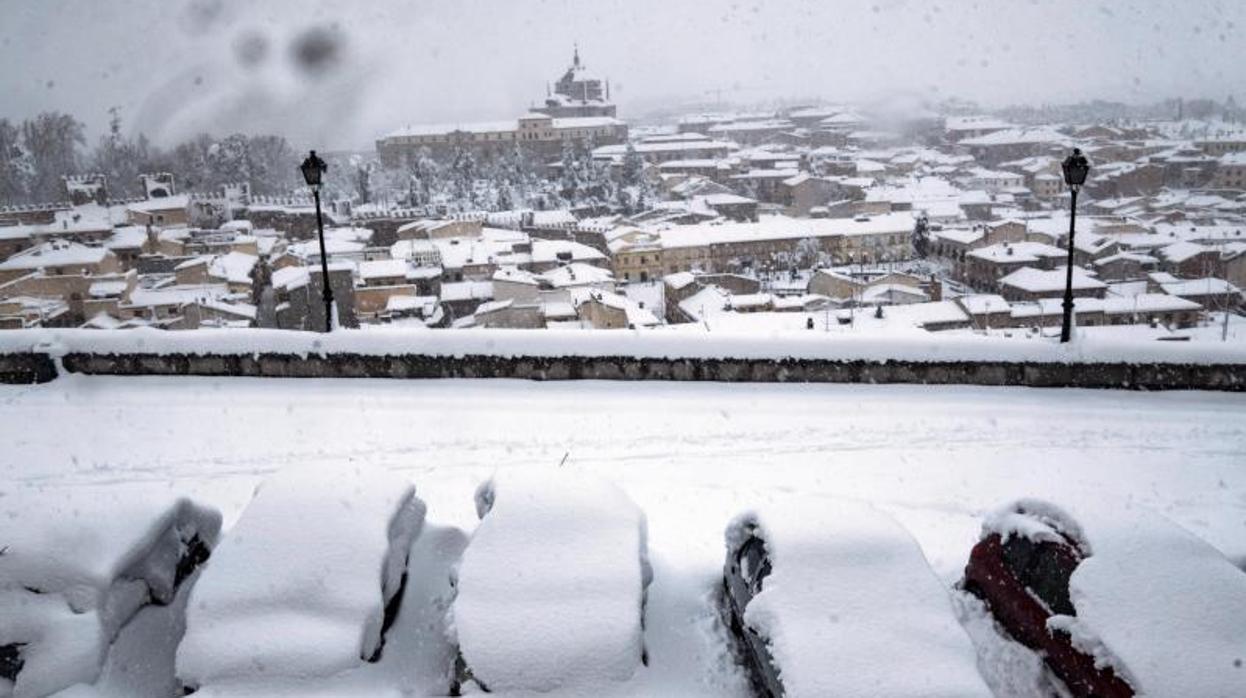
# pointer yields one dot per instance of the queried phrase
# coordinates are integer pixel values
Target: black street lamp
(1075, 167)
(313, 172)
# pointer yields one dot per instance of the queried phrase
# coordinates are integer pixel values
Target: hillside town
(824, 217)
(712, 349)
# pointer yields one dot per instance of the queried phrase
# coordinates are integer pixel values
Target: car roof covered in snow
(550, 589)
(849, 587)
(79, 545)
(1166, 610)
(79, 566)
(297, 586)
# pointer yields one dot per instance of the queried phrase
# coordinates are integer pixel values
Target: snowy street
(690, 455)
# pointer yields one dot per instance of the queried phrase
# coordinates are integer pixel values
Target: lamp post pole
(1067, 328)
(313, 169)
(326, 289)
(1075, 168)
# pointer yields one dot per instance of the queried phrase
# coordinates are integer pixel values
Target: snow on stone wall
(653, 343)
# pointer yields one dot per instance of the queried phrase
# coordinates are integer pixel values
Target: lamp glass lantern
(1076, 167)
(313, 170)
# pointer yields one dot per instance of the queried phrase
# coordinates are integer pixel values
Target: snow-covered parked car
(1116, 602)
(307, 581)
(75, 570)
(551, 588)
(834, 598)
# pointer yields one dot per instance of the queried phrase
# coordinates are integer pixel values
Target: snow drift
(299, 587)
(551, 587)
(850, 595)
(78, 568)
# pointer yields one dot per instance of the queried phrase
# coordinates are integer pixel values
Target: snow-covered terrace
(690, 456)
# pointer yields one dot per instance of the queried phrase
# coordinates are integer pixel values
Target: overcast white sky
(180, 66)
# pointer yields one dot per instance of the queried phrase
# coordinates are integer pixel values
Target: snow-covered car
(834, 598)
(306, 583)
(1116, 602)
(77, 569)
(551, 588)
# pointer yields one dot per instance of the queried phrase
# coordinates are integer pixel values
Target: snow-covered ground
(690, 455)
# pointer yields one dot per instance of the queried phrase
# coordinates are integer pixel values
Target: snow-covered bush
(551, 588)
(77, 569)
(851, 606)
(300, 586)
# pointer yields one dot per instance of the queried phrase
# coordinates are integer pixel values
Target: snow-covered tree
(569, 178)
(51, 141)
(921, 236)
(423, 174)
(121, 159)
(14, 165)
(272, 164)
(363, 182)
(504, 201)
(463, 175)
(806, 253)
(631, 170)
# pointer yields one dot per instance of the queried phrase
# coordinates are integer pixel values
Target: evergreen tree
(569, 181)
(422, 175)
(921, 236)
(631, 171)
(623, 199)
(504, 200)
(463, 179)
(363, 182)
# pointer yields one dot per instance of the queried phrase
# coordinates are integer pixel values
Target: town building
(642, 255)
(1029, 284)
(577, 112)
(578, 94)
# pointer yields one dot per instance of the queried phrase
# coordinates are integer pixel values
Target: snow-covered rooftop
(60, 253)
(1049, 280)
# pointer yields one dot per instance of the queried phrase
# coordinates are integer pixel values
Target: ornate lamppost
(1075, 167)
(313, 173)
